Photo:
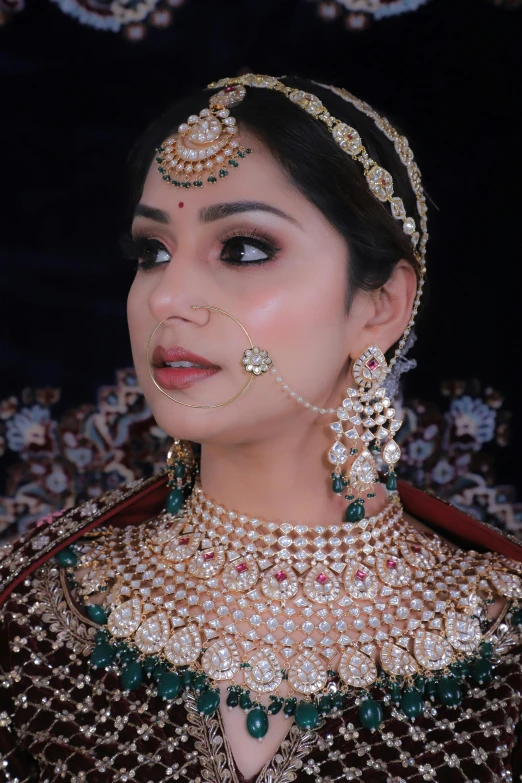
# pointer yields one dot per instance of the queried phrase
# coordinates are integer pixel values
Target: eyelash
(134, 248)
(263, 242)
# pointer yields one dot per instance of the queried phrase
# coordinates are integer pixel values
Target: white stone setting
(221, 659)
(307, 674)
(184, 646)
(263, 674)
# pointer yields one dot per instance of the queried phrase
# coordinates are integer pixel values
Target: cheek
(303, 326)
(138, 318)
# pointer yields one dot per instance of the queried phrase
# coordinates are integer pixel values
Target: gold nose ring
(254, 361)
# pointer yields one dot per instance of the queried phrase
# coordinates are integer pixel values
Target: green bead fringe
(409, 694)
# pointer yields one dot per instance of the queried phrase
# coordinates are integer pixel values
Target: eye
(152, 252)
(147, 250)
(243, 250)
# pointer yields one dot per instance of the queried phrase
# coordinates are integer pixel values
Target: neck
(283, 480)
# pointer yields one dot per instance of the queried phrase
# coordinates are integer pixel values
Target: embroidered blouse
(62, 720)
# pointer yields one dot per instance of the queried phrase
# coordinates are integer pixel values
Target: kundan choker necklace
(295, 618)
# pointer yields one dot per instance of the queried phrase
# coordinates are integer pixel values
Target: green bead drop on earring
(179, 469)
(337, 483)
(174, 501)
(391, 481)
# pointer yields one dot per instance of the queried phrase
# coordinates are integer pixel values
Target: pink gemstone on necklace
(372, 364)
(360, 574)
(321, 578)
(209, 555)
(230, 89)
(281, 576)
(392, 564)
(183, 540)
(416, 549)
(241, 568)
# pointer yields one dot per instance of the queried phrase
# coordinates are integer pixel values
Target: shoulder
(498, 554)
(129, 503)
(456, 526)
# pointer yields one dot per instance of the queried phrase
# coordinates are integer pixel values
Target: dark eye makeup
(247, 248)
(239, 248)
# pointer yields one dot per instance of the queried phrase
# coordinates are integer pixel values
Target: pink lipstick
(177, 368)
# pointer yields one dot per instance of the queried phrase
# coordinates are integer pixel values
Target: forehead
(258, 177)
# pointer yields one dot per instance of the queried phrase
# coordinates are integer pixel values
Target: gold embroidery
(54, 604)
(210, 744)
(285, 765)
(60, 529)
(477, 743)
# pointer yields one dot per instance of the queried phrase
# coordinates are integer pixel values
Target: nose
(176, 291)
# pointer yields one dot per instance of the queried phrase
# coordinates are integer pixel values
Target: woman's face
(254, 246)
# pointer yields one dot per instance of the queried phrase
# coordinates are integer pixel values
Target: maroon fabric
(62, 720)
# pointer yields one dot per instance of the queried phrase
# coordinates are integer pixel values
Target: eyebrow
(216, 211)
(158, 215)
(220, 211)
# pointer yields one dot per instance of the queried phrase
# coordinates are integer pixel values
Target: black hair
(325, 174)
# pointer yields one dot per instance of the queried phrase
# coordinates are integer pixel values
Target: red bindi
(181, 204)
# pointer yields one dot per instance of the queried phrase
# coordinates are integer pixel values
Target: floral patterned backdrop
(134, 18)
(56, 459)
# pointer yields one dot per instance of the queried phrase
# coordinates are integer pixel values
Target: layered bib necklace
(294, 618)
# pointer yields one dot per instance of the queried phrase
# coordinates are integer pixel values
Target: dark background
(74, 99)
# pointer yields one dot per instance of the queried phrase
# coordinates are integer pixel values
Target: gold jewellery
(367, 407)
(370, 408)
(255, 361)
(205, 144)
(293, 617)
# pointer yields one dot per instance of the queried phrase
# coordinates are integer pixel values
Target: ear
(388, 310)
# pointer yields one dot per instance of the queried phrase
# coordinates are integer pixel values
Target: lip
(176, 353)
(180, 377)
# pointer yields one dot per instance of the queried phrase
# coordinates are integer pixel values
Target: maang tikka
(367, 407)
(205, 145)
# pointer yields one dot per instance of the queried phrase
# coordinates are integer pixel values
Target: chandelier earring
(368, 408)
(180, 474)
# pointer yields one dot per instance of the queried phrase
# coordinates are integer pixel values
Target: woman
(343, 630)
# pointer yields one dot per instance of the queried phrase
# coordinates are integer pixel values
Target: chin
(199, 426)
